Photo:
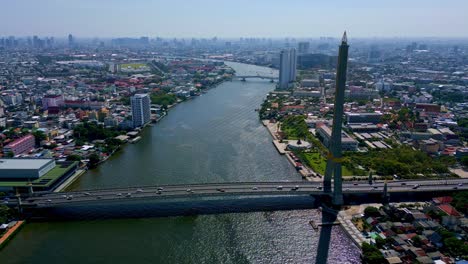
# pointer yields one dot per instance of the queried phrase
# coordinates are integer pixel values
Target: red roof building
(448, 209)
(442, 200)
(20, 145)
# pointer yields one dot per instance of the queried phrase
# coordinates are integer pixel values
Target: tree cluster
(371, 254)
(162, 98)
(402, 161)
(295, 127)
(90, 131)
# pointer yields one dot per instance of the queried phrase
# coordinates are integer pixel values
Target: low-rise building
(347, 142)
(25, 168)
(19, 146)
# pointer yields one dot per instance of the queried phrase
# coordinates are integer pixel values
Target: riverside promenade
(281, 146)
(10, 233)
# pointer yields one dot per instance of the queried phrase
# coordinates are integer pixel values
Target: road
(238, 189)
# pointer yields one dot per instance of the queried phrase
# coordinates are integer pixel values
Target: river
(216, 137)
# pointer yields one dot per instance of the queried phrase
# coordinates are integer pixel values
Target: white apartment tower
(141, 112)
(288, 61)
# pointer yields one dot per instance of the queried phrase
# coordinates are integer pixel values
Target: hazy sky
(234, 18)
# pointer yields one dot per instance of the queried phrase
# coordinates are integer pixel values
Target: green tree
(456, 247)
(74, 157)
(417, 241)
(464, 161)
(39, 136)
(371, 254)
(371, 211)
(460, 201)
(5, 213)
(380, 242)
(94, 159)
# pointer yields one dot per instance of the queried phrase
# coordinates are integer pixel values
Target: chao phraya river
(216, 137)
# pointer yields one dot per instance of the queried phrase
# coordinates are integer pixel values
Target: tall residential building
(288, 61)
(303, 47)
(293, 65)
(141, 112)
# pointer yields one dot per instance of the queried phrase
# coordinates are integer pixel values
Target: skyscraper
(293, 65)
(141, 112)
(334, 158)
(288, 61)
(303, 47)
(70, 40)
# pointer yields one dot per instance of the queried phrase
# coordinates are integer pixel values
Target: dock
(329, 223)
(281, 147)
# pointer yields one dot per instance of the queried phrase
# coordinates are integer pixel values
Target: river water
(216, 137)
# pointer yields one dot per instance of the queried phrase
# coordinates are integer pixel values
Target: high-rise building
(292, 65)
(141, 112)
(70, 40)
(288, 61)
(284, 71)
(303, 47)
(335, 146)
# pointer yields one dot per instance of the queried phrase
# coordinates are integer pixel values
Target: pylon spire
(345, 38)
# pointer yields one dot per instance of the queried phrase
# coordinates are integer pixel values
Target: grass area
(295, 127)
(318, 163)
(134, 66)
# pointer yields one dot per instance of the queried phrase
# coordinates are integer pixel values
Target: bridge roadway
(48, 199)
(255, 76)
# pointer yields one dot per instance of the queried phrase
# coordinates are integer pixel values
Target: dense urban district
(66, 105)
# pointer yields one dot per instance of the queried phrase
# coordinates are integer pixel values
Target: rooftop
(46, 180)
(23, 164)
(20, 140)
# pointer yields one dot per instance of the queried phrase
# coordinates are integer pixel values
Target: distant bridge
(245, 77)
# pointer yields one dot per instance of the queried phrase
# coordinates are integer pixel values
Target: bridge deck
(235, 189)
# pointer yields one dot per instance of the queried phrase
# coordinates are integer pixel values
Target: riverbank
(10, 233)
(281, 146)
(345, 216)
(70, 180)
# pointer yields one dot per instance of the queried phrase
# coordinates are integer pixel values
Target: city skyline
(208, 18)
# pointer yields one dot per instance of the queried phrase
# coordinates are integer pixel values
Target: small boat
(313, 224)
(135, 140)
